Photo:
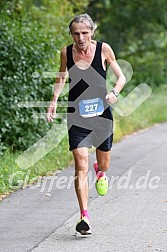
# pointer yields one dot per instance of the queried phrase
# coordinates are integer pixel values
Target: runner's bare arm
(58, 86)
(62, 75)
(111, 61)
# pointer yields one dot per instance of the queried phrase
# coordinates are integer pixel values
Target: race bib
(91, 107)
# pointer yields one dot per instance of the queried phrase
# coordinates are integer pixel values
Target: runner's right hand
(51, 113)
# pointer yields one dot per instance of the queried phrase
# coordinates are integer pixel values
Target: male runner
(89, 116)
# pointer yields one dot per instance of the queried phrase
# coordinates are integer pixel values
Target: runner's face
(81, 35)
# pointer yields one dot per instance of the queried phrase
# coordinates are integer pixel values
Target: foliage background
(34, 31)
(137, 31)
(32, 34)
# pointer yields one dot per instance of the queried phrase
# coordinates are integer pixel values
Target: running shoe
(102, 181)
(83, 226)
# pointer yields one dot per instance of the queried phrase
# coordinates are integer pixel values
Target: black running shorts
(99, 137)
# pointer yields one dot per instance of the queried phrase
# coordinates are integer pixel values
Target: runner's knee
(104, 165)
(81, 164)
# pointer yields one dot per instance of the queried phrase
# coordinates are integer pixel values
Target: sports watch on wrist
(115, 92)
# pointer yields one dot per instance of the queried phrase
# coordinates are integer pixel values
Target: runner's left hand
(111, 98)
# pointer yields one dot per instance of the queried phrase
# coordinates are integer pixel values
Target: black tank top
(86, 84)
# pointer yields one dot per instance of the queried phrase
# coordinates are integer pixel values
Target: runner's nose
(80, 37)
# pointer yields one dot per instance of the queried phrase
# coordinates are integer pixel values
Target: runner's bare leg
(81, 170)
(103, 159)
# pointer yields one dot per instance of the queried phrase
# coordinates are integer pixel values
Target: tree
(137, 32)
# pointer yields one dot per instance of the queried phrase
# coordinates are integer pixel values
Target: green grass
(12, 177)
(152, 111)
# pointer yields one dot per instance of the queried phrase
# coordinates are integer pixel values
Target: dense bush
(32, 34)
(24, 49)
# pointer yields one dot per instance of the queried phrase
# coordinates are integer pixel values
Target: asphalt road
(131, 217)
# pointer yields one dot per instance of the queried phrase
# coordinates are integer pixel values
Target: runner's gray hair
(83, 18)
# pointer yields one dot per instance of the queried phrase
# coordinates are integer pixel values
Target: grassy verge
(152, 111)
(12, 177)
